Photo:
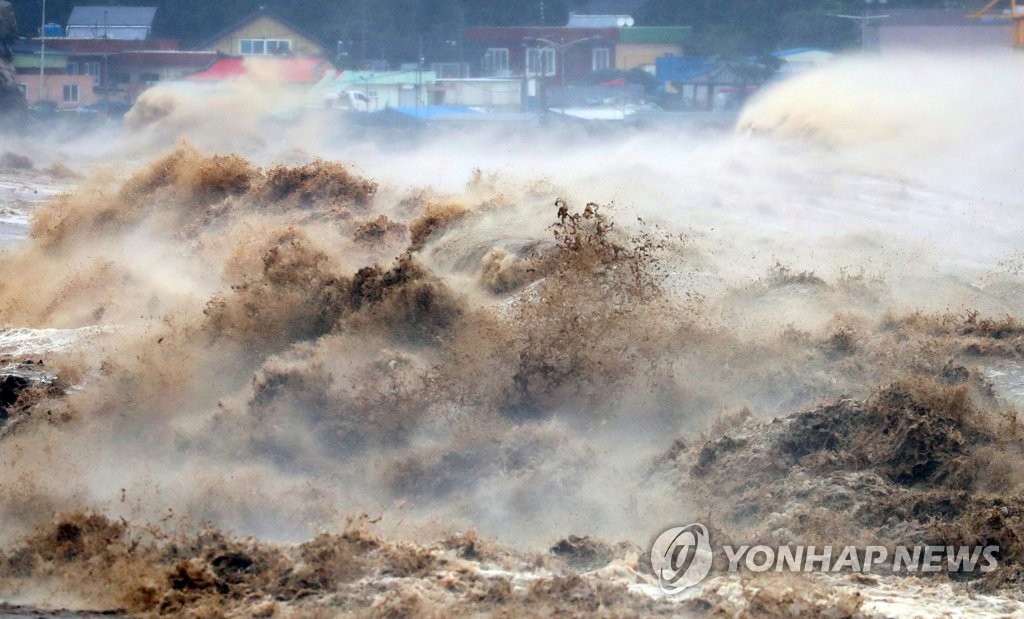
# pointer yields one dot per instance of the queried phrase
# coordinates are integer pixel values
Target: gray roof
(115, 16)
(610, 7)
(598, 21)
(934, 17)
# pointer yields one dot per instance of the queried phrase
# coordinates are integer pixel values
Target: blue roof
(610, 7)
(436, 112)
(457, 113)
(796, 50)
(682, 68)
(98, 16)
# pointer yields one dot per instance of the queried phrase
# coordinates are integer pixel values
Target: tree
(12, 100)
(397, 30)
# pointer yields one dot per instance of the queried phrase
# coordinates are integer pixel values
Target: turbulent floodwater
(278, 366)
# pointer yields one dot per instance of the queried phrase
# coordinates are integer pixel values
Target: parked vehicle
(348, 100)
(106, 109)
(43, 110)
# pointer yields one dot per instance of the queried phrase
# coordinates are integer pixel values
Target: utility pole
(864, 20)
(419, 74)
(362, 36)
(461, 37)
(1014, 13)
(561, 48)
(42, 54)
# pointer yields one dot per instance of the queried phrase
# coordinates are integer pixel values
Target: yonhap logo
(681, 557)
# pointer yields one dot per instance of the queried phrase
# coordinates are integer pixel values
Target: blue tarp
(456, 113)
(682, 68)
(436, 112)
(686, 68)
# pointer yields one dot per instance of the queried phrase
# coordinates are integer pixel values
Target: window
(72, 68)
(602, 58)
(495, 61)
(278, 47)
(262, 47)
(70, 93)
(449, 70)
(149, 78)
(93, 69)
(540, 61)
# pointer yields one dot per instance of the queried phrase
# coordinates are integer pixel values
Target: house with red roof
(107, 53)
(264, 33)
(298, 71)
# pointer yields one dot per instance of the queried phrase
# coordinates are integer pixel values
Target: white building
(489, 93)
(802, 59)
(940, 30)
(133, 23)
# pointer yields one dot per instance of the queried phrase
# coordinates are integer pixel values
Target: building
(295, 71)
(129, 23)
(264, 33)
(108, 54)
(108, 69)
(492, 94)
(133, 71)
(549, 54)
(413, 89)
(581, 64)
(28, 55)
(938, 30)
(64, 89)
(693, 83)
(388, 89)
(121, 68)
(588, 44)
(578, 20)
(640, 47)
(610, 7)
(800, 59)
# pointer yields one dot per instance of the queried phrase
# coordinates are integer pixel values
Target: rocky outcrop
(11, 99)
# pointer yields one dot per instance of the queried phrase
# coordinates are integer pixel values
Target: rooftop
(385, 77)
(599, 21)
(668, 35)
(251, 17)
(611, 7)
(174, 58)
(934, 18)
(436, 112)
(292, 70)
(26, 46)
(111, 22)
(554, 33)
(108, 46)
(112, 16)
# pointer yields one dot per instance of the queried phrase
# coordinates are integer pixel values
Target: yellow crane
(1015, 13)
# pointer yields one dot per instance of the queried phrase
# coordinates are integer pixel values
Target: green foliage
(8, 27)
(737, 28)
(403, 30)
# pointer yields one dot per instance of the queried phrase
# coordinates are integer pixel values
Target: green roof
(54, 60)
(382, 78)
(666, 35)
